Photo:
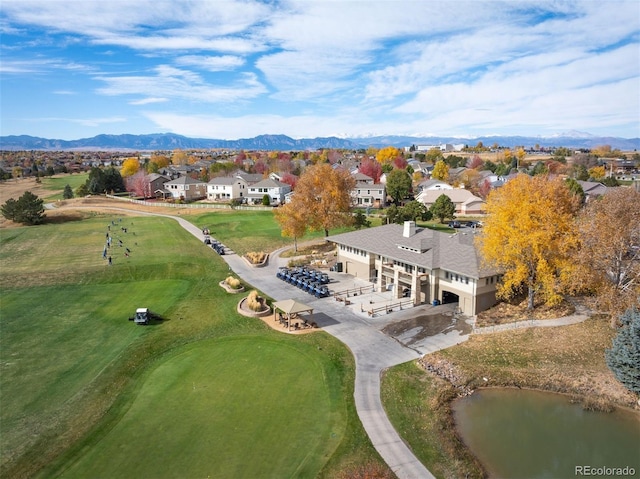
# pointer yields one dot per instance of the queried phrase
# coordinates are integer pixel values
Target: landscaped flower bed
(254, 306)
(256, 258)
(232, 285)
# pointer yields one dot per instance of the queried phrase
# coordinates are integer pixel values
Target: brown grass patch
(567, 359)
(506, 312)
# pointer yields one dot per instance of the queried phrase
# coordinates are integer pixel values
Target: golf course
(203, 391)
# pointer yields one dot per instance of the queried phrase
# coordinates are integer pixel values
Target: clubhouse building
(420, 263)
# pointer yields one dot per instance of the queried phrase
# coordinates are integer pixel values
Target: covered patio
(289, 313)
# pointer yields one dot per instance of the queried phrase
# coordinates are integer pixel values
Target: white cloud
(170, 82)
(211, 63)
(147, 101)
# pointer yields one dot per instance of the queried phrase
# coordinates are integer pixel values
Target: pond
(532, 434)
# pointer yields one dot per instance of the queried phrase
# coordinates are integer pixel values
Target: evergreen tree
(28, 209)
(360, 220)
(443, 208)
(624, 356)
(67, 194)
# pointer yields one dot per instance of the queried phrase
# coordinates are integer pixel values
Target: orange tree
(322, 199)
(608, 259)
(529, 233)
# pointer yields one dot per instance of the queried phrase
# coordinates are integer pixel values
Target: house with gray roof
(425, 264)
(275, 189)
(592, 189)
(186, 188)
(227, 188)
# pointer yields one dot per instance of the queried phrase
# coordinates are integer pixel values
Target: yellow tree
(521, 155)
(323, 197)
(440, 171)
(529, 233)
(597, 172)
(160, 160)
(179, 157)
(130, 167)
(292, 222)
(387, 154)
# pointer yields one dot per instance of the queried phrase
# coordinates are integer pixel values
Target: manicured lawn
(78, 379)
(236, 407)
(58, 183)
(245, 231)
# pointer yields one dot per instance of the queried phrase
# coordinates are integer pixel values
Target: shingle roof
(427, 248)
(184, 180)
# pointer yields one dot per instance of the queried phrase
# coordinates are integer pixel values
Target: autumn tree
(371, 168)
(398, 185)
(179, 157)
(440, 171)
(475, 162)
(597, 172)
(608, 259)
(323, 197)
(160, 161)
(434, 155)
(387, 154)
(130, 167)
(292, 221)
(443, 208)
(529, 233)
(139, 185)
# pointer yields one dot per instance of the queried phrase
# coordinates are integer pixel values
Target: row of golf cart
(310, 280)
(216, 245)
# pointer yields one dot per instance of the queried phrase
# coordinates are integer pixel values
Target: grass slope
(78, 377)
(217, 408)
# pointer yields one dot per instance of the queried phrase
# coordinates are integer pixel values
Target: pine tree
(67, 194)
(624, 356)
(28, 209)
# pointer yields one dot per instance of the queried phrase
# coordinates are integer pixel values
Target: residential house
(185, 188)
(275, 189)
(423, 264)
(592, 189)
(466, 202)
(227, 188)
(433, 185)
(154, 182)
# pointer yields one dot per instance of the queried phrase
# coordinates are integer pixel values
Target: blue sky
(236, 69)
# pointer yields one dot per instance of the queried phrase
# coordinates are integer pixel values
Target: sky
(237, 69)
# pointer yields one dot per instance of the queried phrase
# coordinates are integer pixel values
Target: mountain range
(170, 141)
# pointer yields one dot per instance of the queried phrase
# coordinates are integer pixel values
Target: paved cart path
(373, 350)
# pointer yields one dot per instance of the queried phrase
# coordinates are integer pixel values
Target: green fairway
(56, 340)
(245, 231)
(244, 407)
(78, 379)
(59, 182)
